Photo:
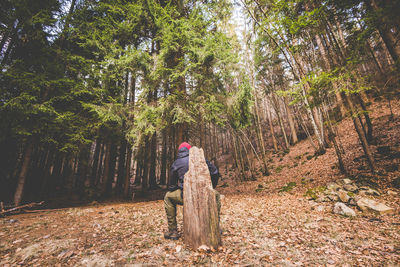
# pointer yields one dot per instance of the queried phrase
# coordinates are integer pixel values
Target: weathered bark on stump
(200, 213)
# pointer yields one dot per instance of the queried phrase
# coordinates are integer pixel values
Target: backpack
(214, 173)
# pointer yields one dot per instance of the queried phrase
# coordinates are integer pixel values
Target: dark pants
(174, 198)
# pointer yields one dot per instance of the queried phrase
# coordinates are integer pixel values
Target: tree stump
(200, 212)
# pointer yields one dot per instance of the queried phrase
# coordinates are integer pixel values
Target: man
(174, 196)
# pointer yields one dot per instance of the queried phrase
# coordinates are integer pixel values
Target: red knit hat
(184, 144)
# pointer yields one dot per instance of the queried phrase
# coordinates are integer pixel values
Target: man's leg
(171, 199)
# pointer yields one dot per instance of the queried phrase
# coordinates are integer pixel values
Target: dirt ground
(261, 225)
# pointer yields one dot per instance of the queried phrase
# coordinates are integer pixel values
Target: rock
(332, 187)
(369, 205)
(320, 208)
(311, 225)
(350, 187)
(392, 193)
(178, 248)
(333, 197)
(330, 192)
(347, 181)
(203, 248)
(322, 199)
(352, 202)
(342, 209)
(369, 191)
(343, 196)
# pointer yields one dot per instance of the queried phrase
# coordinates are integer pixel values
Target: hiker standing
(174, 196)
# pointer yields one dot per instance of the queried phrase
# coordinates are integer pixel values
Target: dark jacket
(181, 166)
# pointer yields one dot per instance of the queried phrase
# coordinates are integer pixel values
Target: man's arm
(173, 181)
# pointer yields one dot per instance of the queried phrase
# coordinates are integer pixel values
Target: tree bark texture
(200, 213)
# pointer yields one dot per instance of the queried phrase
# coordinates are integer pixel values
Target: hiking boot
(171, 234)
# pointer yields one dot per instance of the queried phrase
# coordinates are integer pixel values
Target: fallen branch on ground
(30, 205)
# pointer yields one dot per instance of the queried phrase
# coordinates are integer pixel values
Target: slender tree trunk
(127, 172)
(361, 135)
(83, 166)
(153, 155)
(291, 122)
(145, 176)
(321, 145)
(376, 61)
(389, 40)
(240, 160)
(271, 126)
(121, 166)
(282, 128)
(8, 51)
(131, 103)
(106, 174)
(260, 136)
(47, 172)
(163, 171)
(139, 166)
(5, 36)
(252, 176)
(328, 66)
(99, 171)
(112, 165)
(332, 138)
(367, 118)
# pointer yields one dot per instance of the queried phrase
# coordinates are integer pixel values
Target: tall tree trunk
(98, 175)
(249, 163)
(321, 144)
(332, 138)
(260, 136)
(145, 176)
(139, 166)
(287, 146)
(127, 172)
(153, 156)
(111, 175)
(367, 118)
(163, 171)
(83, 166)
(385, 32)
(23, 173)
(291, 121)
(271, 126)
(328, 66)
(121, 166)
(362, 137)
(47, 172)
(106, 173)
(378, 64)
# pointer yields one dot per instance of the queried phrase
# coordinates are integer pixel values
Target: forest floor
(262, 225)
